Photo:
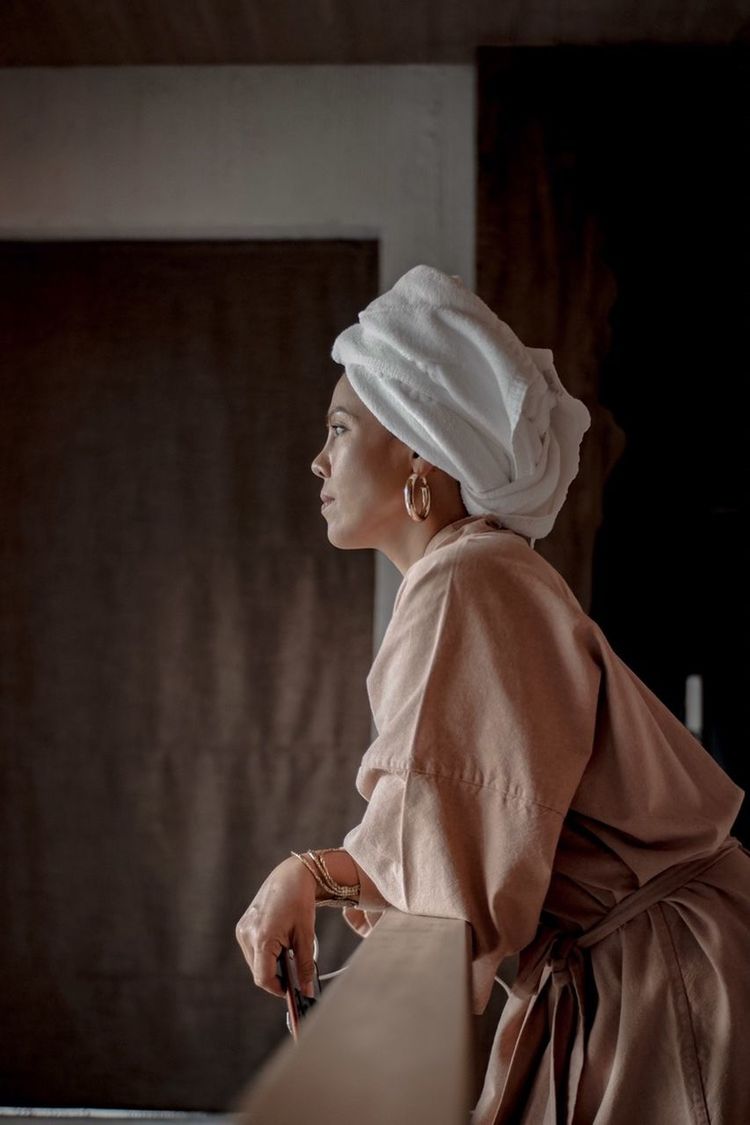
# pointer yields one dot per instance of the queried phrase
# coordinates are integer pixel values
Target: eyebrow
(339, 410)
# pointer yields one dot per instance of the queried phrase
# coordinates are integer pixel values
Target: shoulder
(498, 566)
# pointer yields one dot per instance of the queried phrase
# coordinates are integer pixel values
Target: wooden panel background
(183, 654)
(117, 32)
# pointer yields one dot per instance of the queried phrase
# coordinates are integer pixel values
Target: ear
(421, 465)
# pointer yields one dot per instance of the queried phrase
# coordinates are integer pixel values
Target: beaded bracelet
(338, 892)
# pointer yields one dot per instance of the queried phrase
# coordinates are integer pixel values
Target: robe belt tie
(554, 983)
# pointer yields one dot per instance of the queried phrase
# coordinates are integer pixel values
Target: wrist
(304, 874)
(334, 873)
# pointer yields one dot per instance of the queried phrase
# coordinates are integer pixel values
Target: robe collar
(452, 530)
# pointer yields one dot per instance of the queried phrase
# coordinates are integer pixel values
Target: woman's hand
(282, 915)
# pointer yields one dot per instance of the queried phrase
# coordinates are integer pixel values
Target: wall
(247, 152)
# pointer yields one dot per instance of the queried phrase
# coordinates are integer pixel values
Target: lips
(325, 500)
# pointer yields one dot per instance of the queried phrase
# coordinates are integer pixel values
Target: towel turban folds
(453, 382)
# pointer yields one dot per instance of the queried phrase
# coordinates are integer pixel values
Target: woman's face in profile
(363, 468)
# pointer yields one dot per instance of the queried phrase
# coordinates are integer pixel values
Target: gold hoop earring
(416, 480)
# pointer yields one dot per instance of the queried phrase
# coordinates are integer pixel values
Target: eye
(337, 426)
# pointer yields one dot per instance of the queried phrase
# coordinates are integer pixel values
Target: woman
(523, 778)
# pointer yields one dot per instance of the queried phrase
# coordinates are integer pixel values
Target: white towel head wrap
(443, 374)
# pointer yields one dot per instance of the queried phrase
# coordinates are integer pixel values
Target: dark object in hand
(298, 1005)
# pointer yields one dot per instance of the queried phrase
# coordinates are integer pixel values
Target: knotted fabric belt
(556, 979)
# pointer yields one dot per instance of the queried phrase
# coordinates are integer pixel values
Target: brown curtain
(183, 652)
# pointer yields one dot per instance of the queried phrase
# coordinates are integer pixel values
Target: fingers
(260, 952)
(265, 964)
(264, 967)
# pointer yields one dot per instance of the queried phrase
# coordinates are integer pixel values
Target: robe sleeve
(484, 695)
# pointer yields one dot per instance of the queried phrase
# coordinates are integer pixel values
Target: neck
(408, 543)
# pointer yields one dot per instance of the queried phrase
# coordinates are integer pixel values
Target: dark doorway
(649, 146)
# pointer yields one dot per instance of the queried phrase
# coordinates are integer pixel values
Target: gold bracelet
(311, 869)
(338, 888)
(338, 892)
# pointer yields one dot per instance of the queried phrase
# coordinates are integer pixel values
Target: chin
(345, 538)
(336, 539)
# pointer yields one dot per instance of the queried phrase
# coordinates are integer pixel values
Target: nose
(317, 468)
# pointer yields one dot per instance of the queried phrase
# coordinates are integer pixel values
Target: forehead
(343, 391)
(345, 395)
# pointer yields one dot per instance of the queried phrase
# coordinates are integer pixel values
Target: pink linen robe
(525, 780)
